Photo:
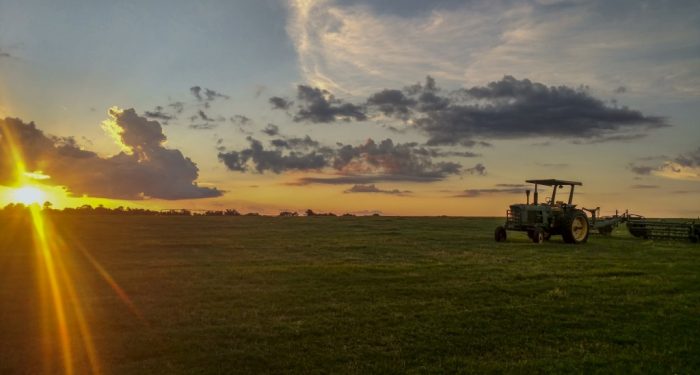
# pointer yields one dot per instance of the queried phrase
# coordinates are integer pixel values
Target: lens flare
(65, 324)
(28, 195)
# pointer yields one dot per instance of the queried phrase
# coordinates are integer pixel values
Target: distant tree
(310, 212)
(231, 212)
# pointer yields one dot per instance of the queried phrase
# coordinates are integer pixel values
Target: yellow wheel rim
(579, 228)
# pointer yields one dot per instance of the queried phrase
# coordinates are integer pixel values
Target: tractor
(543, 220)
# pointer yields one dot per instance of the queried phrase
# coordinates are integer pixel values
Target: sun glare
(28, 195)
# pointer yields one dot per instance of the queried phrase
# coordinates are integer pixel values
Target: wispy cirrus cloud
(351, 48)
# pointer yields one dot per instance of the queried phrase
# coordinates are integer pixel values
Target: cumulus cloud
(371, 188)
(257, 158)
(368, 162)
(505, 109)
(320, 106)
(280, 103)
(685, 166)
(144, 169)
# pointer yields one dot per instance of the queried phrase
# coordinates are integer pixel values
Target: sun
(28, 195)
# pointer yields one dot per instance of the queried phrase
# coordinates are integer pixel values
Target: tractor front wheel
(537, 236)
(575, 228)
(500, 234)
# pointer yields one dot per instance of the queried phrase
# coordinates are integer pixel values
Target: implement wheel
(500, 234)
(575, 228)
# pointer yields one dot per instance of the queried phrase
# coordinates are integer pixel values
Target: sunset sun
(28, 195)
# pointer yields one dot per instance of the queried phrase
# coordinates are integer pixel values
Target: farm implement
(553, 217)
(640, 227)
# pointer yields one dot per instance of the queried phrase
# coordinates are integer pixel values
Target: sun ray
(63, 321)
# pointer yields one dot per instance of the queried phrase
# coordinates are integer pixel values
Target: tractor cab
(555, 184)
(553, 217)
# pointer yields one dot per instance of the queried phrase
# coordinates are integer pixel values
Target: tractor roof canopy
(553, 182)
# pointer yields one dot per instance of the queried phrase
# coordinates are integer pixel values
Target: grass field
(352, 295)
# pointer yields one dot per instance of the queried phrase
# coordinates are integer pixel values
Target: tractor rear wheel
(500, 234)
(575, 228)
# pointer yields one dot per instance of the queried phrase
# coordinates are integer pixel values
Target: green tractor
(542, 220)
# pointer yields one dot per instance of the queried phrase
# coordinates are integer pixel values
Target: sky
(400, 108)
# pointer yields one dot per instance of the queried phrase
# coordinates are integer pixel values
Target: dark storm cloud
(4, 54)
(271, 160)
(320, 106)
(368, 162)
(371, 188)
(641, 186)
(150, 170)
(505, 109)
(271, 130)
(280, 103)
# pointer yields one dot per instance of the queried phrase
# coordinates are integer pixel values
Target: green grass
(359, 295)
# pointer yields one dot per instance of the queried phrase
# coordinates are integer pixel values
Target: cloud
(368, 162)
(620, 90)
(685, 166)
(352, 48)
(505, 109)
(320, 106)
(512, 108)
(373, 189)
(642, 186)
(257, 158)
(4, 54)
(271, 130)
(296, 143)
(643, 170)
(240, 120)
(478, 169)
(280, 103)
(473, 193)
(144, 169)
(159, 114)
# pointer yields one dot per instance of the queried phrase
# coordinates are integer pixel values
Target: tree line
(87, 209)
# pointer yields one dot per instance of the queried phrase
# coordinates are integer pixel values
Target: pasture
(219, 295)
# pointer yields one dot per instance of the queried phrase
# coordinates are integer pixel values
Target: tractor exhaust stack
(527, 193)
